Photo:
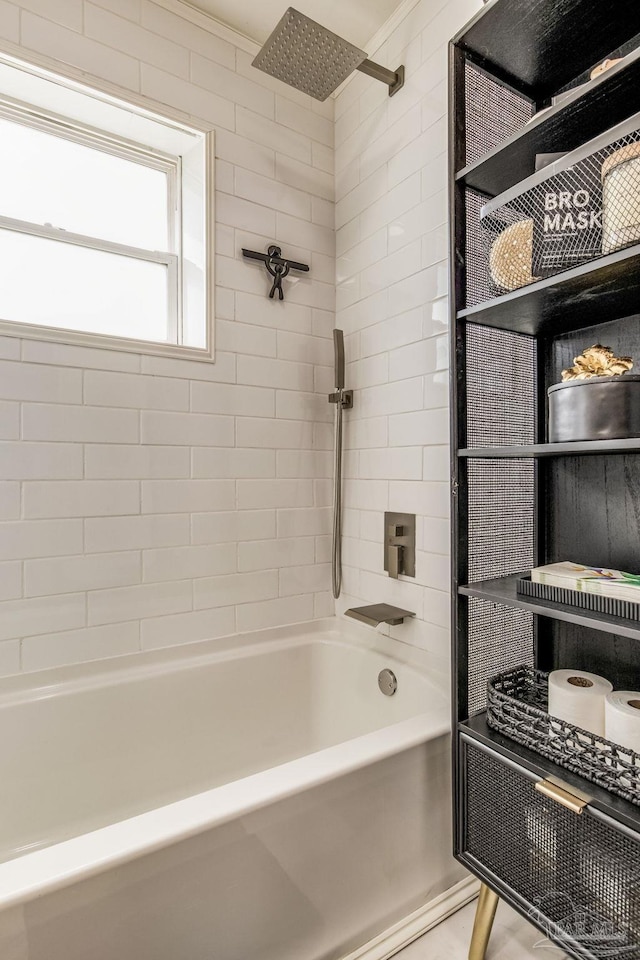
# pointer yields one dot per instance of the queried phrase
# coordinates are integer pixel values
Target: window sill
(79, 338)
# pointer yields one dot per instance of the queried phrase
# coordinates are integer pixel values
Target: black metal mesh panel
(492, 112)
(501, 542)
(501, 494)
(501, 378)
(580, 876)
(479, 286)
(499, 638)
(479, 283)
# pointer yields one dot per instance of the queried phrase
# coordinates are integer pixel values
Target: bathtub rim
(128, 667)
(45, 870)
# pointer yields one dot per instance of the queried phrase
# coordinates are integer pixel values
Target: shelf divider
(503, 591)
(576, 448)
(604, 289)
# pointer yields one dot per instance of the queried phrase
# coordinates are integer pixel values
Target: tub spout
(377, 613)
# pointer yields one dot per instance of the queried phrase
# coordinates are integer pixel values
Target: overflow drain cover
(387, 682)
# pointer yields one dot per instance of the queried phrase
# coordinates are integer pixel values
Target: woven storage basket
(517, 704)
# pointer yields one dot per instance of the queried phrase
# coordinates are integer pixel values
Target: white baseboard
(401, 934)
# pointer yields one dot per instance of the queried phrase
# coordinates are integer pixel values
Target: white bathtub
(250, 799)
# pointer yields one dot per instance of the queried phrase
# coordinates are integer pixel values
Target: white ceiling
(355, 20)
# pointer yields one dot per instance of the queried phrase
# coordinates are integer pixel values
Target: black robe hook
(277, 266)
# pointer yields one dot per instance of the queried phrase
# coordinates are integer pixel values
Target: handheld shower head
(316, 61)
(338, 363)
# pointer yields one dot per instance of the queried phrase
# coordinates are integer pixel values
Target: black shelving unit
(519, 501)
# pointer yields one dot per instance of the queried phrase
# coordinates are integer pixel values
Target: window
(105, 235)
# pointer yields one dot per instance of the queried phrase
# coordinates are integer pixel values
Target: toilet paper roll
(578, 698)
(622, 718)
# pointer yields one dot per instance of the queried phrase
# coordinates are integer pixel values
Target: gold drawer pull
(561, 795)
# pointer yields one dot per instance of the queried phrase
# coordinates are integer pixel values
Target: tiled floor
(512, 938)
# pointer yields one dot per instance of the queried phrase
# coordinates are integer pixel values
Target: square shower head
(307, 56)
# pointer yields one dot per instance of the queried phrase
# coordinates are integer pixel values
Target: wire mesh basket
(580, 207)
(517, 705)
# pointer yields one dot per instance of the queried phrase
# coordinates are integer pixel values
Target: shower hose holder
(343, 397)
(277, 266)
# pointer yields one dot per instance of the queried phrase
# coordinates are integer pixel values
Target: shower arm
(395, 81)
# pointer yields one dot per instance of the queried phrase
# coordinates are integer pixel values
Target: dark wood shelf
(621, 810)
(578, 448)
(586, 113)
(529, 41)
(503, 591)
(604, 289)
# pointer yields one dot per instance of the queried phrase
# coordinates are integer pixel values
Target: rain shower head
(316, 61)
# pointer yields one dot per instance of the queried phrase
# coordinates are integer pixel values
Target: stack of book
(598, 580)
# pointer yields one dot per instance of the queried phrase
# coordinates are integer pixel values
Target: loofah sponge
(510, 256)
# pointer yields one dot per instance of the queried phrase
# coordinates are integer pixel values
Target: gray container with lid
(601, 408)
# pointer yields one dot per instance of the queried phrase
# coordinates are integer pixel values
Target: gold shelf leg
(485, 913)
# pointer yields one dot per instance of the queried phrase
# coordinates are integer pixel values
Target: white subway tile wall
(391, 271)
(147, 501)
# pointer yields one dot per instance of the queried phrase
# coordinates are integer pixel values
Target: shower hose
(336, 553)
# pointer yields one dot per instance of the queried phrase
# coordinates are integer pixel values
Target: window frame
(55, 124)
